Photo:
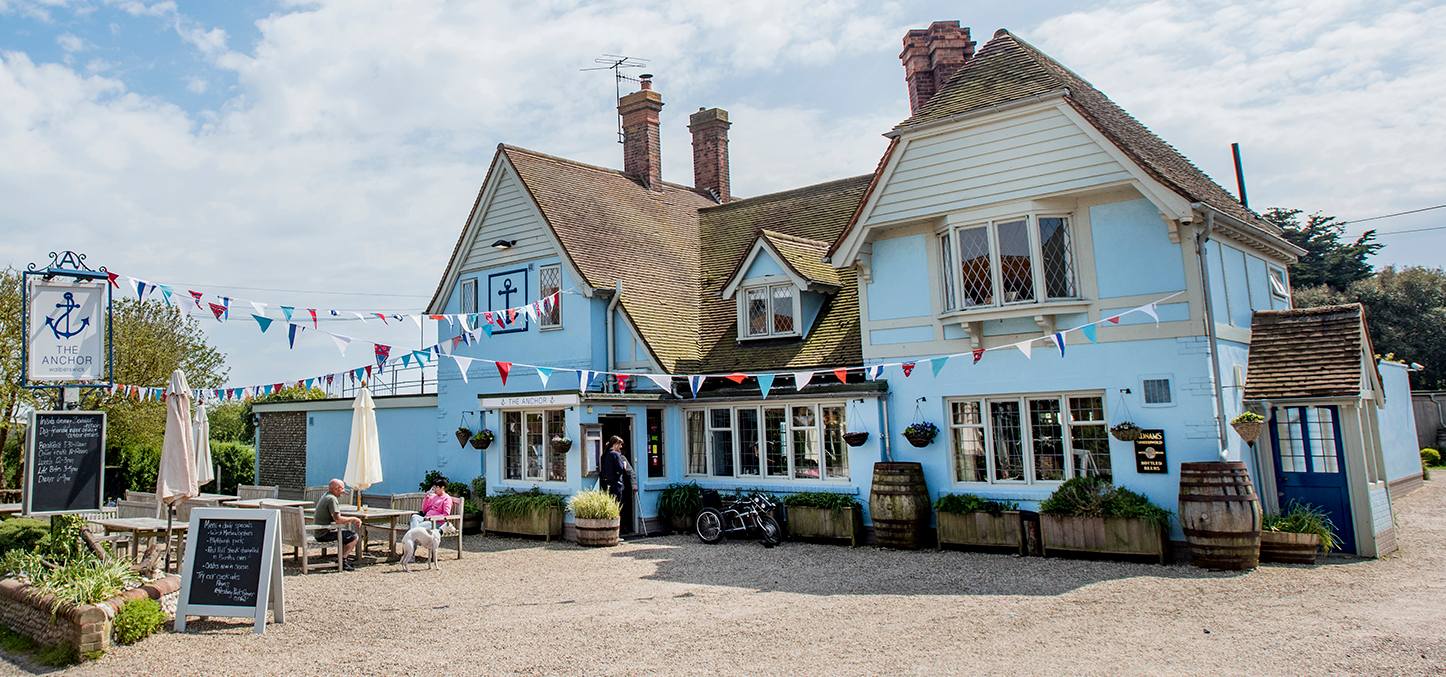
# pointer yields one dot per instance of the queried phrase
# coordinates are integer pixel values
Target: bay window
(527, 448)
(768, 311)
(796, 441)
(1031, 439)
(1010, 261)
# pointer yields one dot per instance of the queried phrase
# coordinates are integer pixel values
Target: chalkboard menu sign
(65, 462)
(232, 566)
(1150, 452)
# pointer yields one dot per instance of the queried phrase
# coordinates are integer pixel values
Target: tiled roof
(1307, 352)
(1008, 69)
(802, 221)
(804, 255)
(612, 228)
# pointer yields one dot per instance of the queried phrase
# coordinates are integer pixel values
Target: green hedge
(237, 462)
(21, 533)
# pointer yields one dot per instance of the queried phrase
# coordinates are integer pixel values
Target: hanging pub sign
(1150, 452)
(64, 462)
(232, 567)
(67, 328)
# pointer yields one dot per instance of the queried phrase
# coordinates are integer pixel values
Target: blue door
(1310, 467)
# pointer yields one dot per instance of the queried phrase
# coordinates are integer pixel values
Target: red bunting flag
(511, 315)
(1113, 319)
(978, 355)
(218, 310)
(196, 296)
(622, 382)
(908, 368)
(384, 317)
(314, 325)
(369, 371)
(737, 377)
(276, 387)
(113, 277)
(503, 368)
(842, 375)
(438, 318)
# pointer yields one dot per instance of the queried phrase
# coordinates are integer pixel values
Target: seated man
(437, 505)
(328, 513)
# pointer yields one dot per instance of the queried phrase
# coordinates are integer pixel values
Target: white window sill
(979, 313)
(746, 339)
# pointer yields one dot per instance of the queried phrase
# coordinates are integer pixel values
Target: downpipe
(1201, 237)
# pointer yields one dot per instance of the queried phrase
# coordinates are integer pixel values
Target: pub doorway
(622, 426)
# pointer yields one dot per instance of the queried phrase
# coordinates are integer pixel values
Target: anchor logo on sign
(69, 307)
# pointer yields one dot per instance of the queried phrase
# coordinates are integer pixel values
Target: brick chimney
(642, 144)
(710, 150)
(930, 56)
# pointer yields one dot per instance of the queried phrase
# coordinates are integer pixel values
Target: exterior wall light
(503, 245)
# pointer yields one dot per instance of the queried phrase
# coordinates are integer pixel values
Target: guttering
(998, 108)
(1201, 237)
(888, 448)
(617, 295)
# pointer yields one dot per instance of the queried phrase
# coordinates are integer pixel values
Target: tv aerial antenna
(617, 63)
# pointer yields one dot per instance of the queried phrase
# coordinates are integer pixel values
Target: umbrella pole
(170, 515)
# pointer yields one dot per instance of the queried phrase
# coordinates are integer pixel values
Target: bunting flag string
(765, 380)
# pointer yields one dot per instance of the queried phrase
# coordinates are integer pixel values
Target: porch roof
(1308, 353)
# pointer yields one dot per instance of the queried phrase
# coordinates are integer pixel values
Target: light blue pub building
(1016, 206)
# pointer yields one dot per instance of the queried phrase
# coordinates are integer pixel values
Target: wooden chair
(143, 496)
(301, 537)
(97, 532)
(411, 501)
(455, 519)
(311, 494)
(255, 491)
(129, 508)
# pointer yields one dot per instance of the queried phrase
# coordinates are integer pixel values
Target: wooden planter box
(980, 530)
(842, 523)
(1102, 535)
(546, 524)
(87, 628)
(1288, 548)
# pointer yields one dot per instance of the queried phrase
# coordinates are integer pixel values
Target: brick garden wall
(87, 628)
(282, 450)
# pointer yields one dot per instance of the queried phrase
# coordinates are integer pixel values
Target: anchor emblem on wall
(68, 307)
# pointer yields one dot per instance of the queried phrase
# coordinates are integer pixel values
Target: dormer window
(768, 311)
(1011, 261)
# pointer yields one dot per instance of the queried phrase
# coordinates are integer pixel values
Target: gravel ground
(673, 605)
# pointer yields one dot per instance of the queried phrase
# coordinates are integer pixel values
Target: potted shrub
(482, 439)
(561, 444)
(1296, 536)
(818, 514)
(597, 517)
(921, 433)
(972, 521)
(855, 439)
(1088, 514)
(1125, 431)
(1248, 425)
(463, 435)
(527, 513)
(679, 504)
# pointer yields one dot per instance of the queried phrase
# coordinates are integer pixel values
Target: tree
(1405, 310)
(14, 398)
(1327, 261)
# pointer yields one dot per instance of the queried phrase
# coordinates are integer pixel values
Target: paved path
(672, 605)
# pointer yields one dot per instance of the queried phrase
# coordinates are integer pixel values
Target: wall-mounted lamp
(503, 245)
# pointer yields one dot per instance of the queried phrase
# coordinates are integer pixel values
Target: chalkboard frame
(270, 591)
(32, 438)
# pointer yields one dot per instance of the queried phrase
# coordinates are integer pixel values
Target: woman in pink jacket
(437, 505)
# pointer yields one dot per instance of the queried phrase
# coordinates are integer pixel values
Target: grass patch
(14, 642)
(52, 656)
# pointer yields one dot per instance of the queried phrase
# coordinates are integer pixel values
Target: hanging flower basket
(482, 439)
(561, 444)
(855, 439)
(921, 434)
(1125, 431)
(463, 434)
(1248, 426)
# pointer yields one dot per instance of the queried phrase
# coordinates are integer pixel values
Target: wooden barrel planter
(1220, 515)
(899, 505)
(597, 532)
(1288, 548)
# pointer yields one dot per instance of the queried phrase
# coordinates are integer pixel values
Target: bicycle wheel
(709, 525)
(772, 535)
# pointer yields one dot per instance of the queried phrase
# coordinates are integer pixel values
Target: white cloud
(71, 42)
(196, 85)
(1337, 105)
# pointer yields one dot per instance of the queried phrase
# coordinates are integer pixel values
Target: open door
(622, 426)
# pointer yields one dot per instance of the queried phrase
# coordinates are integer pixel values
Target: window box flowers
(1090, 515)
(817, 514)
(561, 444)
(1248, 426)
(921, 433)
(482, 439)
(1125, 431)
(970, 521)
(530, 513)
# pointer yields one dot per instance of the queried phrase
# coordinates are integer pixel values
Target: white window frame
(1279, 284)
(762, 441)
(953, 266)
(768, 285)
(1067, 423)
(547, 435)
(1169, 378)
(469, 295)
(542, 323)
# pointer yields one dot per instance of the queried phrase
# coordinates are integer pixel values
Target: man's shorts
(347, 536)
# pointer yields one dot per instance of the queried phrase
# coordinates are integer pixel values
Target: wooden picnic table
(219, 498)
(140, 527)
(266, 503)
(381, 517)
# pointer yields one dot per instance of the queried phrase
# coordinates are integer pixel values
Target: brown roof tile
(1306, 352)
(804, 255)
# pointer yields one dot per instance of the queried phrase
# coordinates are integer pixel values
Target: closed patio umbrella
(201, 447)
(176, 478)
(364, 454)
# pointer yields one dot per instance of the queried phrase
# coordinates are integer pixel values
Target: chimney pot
(642, 142)
(710, 151)
(931, 55)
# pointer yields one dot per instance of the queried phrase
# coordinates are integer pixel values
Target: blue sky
(275, 150)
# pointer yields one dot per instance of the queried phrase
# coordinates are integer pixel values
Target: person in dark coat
(613, 473)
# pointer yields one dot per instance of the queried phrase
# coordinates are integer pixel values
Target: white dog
(424, 533)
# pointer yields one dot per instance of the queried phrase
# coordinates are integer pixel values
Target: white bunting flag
(1149, 309)
(446, 347)
(360, 316)
(1026, 347)
(259, 307)
(530, 312)
(463, 364)
(584, 378)
(417, 319)
(663, 381)
(801, 379)
(341, 343)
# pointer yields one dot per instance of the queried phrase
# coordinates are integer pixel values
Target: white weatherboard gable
(761, 247)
